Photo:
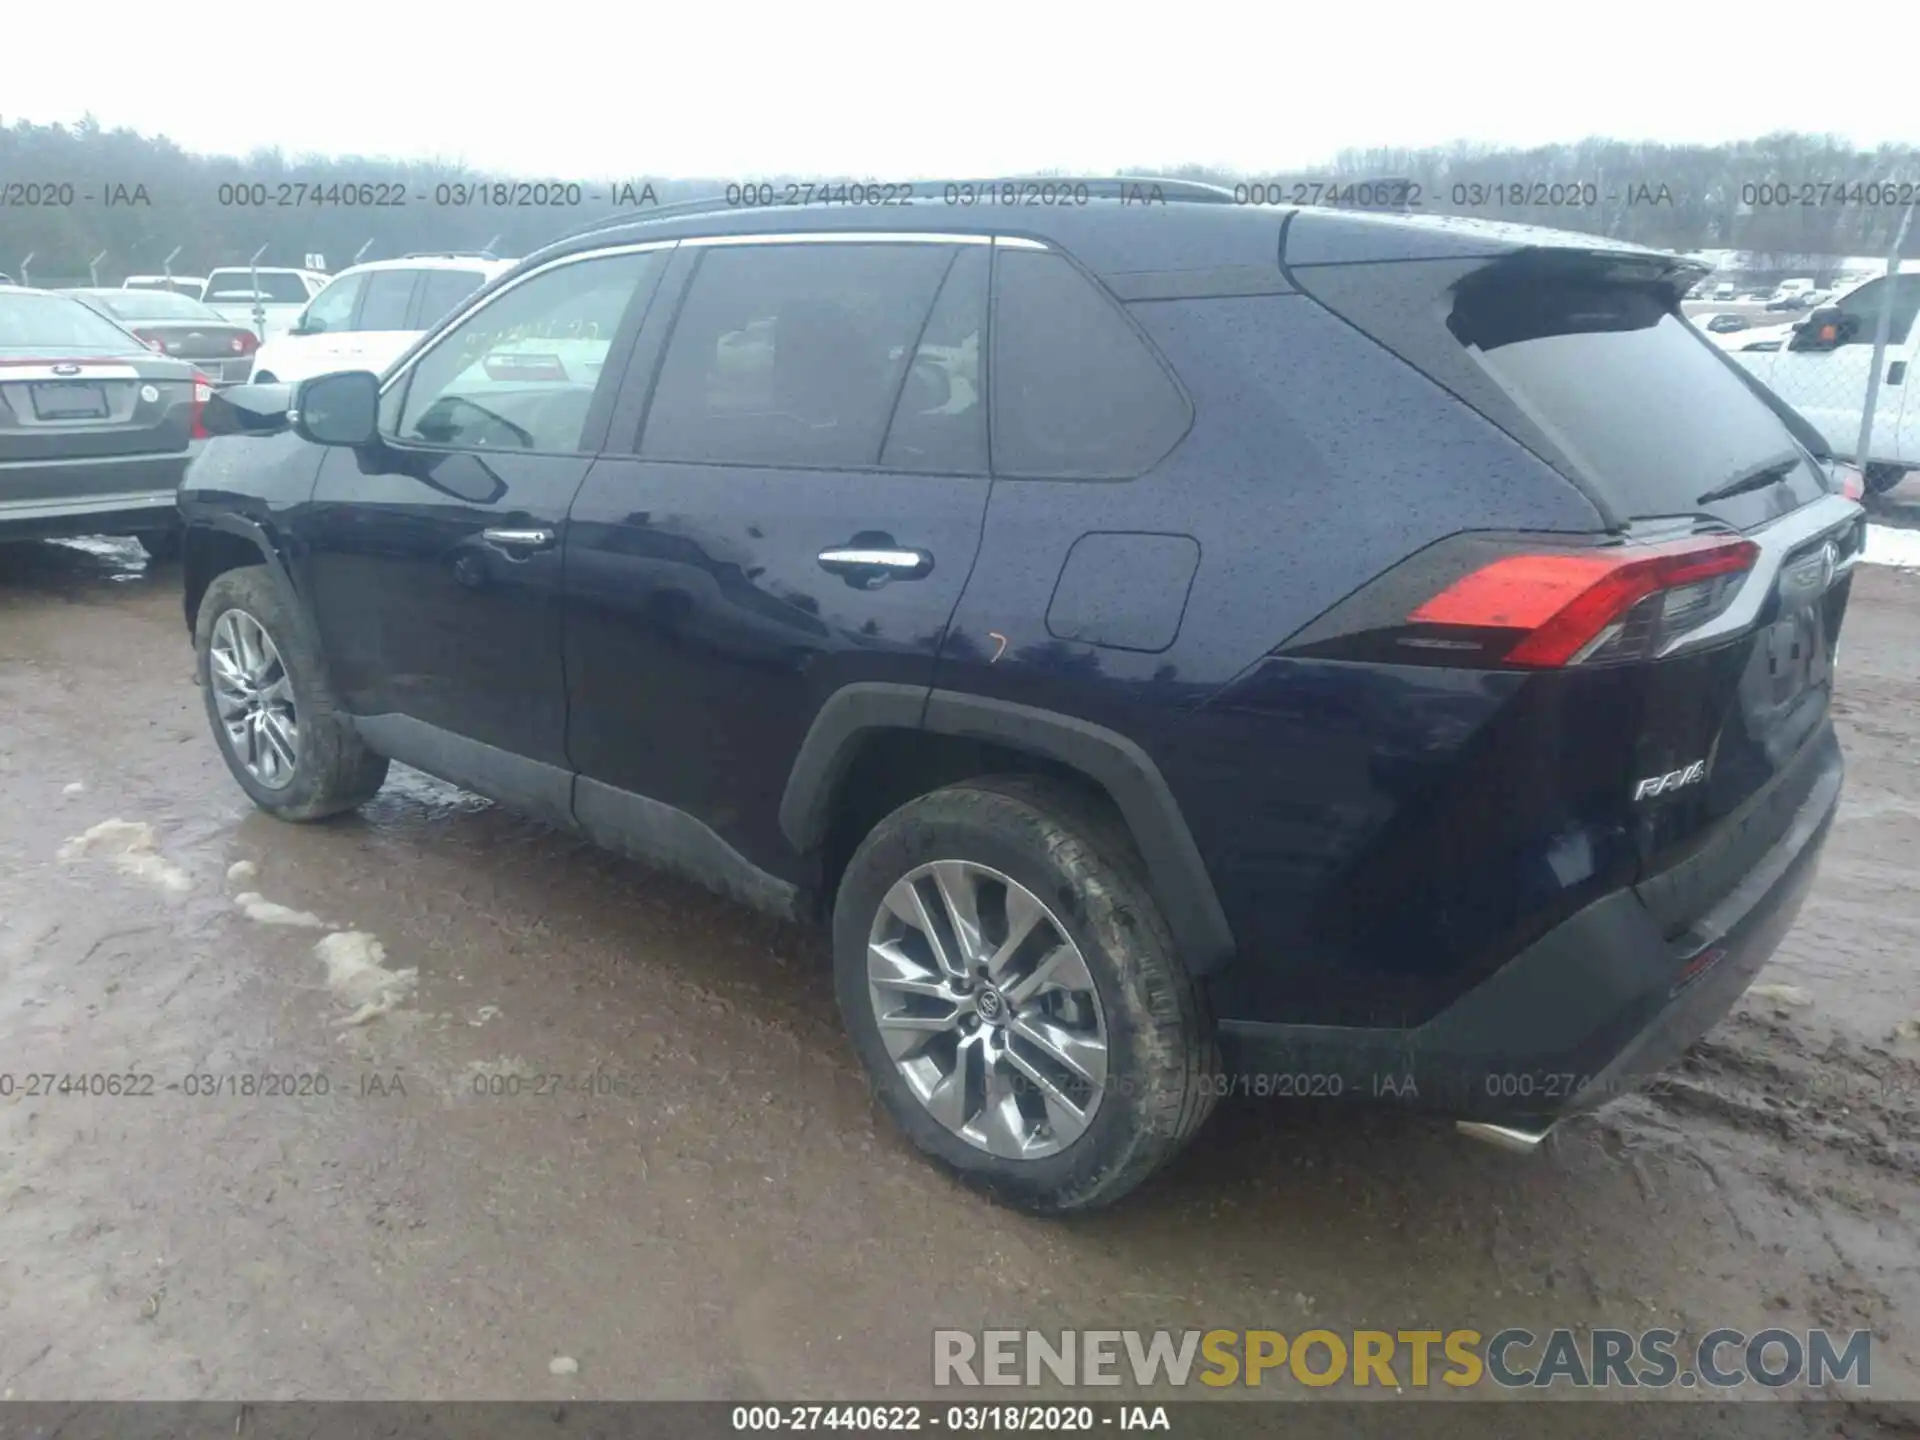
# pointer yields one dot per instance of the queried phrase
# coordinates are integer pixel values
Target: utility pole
(1881, 331)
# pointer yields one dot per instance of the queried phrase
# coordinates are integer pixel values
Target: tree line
(71, 195)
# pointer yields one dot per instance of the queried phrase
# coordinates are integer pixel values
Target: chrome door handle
(541, 539)
(869, 566)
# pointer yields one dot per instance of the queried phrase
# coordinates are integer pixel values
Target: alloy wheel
(254, 697)
(988, 1009)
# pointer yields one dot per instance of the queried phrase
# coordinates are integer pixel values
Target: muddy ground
(736, 1219)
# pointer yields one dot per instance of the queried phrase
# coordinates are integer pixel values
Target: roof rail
(450, 255)
(1099, 187)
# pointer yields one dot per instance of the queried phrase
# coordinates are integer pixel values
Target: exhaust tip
(1506, 1137)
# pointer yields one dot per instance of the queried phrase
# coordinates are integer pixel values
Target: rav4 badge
(1672, 780)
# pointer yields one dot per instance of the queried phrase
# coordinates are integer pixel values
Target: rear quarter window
(1077, 393)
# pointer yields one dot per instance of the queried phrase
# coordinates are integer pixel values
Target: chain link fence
(1840, 355)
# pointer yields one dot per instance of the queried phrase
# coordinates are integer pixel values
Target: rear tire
(264, 378)
(1020, 836)
(331, 768)
(1882, 478)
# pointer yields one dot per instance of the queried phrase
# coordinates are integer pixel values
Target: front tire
(1015, 995)
(274, 716)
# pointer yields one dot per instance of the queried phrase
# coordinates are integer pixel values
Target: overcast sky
(726, 90)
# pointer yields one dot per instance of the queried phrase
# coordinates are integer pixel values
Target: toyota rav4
(1175, 647)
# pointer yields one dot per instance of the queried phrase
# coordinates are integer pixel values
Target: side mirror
(1825, 329)
(340, 409)
(247, 410)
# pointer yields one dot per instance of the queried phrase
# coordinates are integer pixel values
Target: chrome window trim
(840, 237)
(459, 316)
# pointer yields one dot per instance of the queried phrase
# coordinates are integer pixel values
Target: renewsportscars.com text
(1721, 1359)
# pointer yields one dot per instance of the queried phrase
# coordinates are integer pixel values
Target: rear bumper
(103, 496)
(1579, 1017)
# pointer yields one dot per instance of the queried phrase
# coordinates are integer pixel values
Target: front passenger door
(434, 556)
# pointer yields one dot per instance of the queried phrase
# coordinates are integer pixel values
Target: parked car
(5, 279)
(1792, 300)
(1758, 337)
(268, 300)
(189, 285)
(368, 315)
(95, 428)
(1450, 729)
(1822, 366)
(1722, 324)
(172, 324)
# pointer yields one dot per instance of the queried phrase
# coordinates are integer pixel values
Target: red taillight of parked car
(1569, 608)
(202, 393)
(155, 343)
(245, 343)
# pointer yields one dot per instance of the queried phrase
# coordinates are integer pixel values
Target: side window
(940, 419)
(1864, 304)
(520, 372)
(389, 295)
(332, 309)
(1076, 392)
(792, 354)
(442, 291)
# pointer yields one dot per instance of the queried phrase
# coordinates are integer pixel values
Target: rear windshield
(1602, 379)
(239, 285)
(152, 305)
(1648, 415)
(52, 325)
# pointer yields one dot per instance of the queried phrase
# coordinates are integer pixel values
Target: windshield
(52, 325)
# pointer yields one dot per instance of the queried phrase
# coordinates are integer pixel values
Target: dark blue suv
(1181, 648)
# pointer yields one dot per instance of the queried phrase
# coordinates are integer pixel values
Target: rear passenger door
(800, 514)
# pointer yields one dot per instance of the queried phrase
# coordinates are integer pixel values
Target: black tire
(1881, 478)
(265, 378)
(161, 545)
(1067, 849)
(333, 769)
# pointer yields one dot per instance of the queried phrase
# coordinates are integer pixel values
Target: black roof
(1150, 228)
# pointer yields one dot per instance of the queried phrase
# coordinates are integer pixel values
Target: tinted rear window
(1603, 379)
(238, 285)
(1648, 415)
(152, 305)
(1076, 392)
(445, 289)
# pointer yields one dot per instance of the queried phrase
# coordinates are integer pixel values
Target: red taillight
(202, 393)
(156, 343)
(1571, 607)
(245, 343)
(1848, 480)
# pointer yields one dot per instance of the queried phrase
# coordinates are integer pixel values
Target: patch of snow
(1890, 545)
(563, 1365)
(263, 911)
(76, 788)
(357, 975)
(1782, 995)
(131, 846)
(484, 1014)
(242, 870)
